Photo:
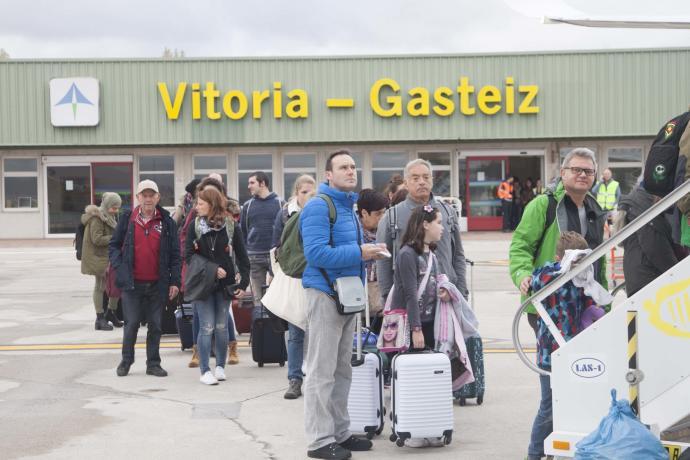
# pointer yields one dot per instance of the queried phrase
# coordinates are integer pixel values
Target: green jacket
(97, 234)
(527, 235)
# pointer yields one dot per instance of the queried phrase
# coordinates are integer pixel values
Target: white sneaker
(208, 379)
(416, 442)
(220, 374)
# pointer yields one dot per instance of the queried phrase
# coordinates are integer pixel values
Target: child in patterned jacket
(572, 308)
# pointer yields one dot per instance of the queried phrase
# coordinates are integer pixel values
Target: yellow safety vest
(606, 195)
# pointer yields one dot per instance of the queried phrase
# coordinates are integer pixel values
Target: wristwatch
(417, 329)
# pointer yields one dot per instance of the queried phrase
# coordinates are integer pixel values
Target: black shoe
(123, 368)
(356, 444)
(112, 317)
(101, 323)
(157, 371)
(332, 451)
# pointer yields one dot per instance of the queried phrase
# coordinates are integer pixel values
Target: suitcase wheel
(447, 439)
(282, 364)
(370, 435)
(379, 431)
(462, 401)
(400, 442)
(261, 364)
(393, 437)
(480, 400)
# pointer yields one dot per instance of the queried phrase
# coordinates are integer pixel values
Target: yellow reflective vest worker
(608, 194)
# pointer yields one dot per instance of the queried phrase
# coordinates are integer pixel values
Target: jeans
(213, 317)
(144, 302)
(295, 352)
(259, 265)
(98, 296)
(543, 422)
(329, 371)
(195, 326)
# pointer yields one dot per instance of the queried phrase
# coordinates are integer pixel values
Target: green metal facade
(619, 94)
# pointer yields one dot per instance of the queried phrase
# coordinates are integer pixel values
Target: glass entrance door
(68, 191)
(112, 177)
(484, 175)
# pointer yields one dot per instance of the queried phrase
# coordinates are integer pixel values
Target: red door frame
(482, 223)
(120, 163)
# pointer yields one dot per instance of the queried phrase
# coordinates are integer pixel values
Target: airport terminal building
(73, 129)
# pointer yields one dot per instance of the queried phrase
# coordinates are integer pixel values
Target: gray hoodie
(449, 251)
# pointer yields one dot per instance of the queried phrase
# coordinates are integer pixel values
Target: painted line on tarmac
(117, 346)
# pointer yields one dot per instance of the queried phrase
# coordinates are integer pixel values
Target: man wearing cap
(146, 257)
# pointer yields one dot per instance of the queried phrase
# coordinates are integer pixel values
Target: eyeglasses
(393, 325)
(577, 171)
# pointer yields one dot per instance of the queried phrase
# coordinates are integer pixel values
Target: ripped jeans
(213, 316)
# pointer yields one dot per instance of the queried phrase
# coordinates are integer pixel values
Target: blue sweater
(345, 258)
(256, 221)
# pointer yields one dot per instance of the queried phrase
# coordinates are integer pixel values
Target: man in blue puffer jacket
(329, 372)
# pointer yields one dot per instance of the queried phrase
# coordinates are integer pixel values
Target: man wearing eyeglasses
(567, 206)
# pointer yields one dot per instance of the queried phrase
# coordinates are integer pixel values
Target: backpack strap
(332, 216)
(394, 229)
(550, 218)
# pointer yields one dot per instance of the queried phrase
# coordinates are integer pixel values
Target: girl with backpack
(214, 246)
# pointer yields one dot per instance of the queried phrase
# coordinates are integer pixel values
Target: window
(384, 166)
(294, 165)
(626, 164)
(20, 176)
(161, 170)
(441, 166)
(207, 164)
(462, 184)
(250, 163)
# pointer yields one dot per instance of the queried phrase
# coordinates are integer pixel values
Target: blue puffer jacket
(345, 259)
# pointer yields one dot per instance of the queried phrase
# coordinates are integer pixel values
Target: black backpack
(79, 239)
(662, 161)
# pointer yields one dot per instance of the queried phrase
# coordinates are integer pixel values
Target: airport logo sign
(74, 101)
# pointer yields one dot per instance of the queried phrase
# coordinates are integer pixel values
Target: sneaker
(157, 371)
(208, 379)
(353, 443)
(220, 374)
(331, 451)
(294, 390)
(435, 442)
(416, 442)
(123, 368)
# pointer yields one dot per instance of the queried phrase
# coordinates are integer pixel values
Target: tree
(172, 54)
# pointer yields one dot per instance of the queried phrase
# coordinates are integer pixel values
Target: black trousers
(507, 207)
(144, 302)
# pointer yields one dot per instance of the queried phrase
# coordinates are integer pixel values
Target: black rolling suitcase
(168, 325)
(183, 321)
(268, 341)
(474, 390)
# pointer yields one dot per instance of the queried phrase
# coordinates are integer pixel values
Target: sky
(227, 28)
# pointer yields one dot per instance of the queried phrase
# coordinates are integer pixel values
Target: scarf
(204, 226)
(585, 279)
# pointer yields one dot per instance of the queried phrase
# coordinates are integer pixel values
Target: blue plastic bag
(620, 435)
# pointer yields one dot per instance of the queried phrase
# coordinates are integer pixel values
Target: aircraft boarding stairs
(641, 348)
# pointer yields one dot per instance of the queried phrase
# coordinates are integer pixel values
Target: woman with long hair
(303, 190)
(209, 238)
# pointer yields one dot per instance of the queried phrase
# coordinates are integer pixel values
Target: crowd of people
(403, 244)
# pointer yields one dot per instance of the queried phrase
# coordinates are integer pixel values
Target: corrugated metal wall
(588, 94)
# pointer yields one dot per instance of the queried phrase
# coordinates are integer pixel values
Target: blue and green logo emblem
(74, 97)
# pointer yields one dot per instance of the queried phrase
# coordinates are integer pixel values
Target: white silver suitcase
(365, 402)
(422, 397)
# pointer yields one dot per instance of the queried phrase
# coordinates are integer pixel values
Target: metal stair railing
(537, 298)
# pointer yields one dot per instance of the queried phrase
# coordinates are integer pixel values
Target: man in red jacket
(145, 254)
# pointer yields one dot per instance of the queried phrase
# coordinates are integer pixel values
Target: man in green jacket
(572, 208)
